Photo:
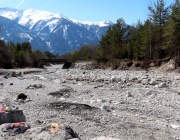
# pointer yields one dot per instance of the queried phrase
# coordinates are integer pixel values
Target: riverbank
(94, 102)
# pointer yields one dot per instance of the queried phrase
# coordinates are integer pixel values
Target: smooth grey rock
(105, 108)
(148, 93)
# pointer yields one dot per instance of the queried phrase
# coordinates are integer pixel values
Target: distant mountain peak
(30, 16)
(58, 32)
(38, 15)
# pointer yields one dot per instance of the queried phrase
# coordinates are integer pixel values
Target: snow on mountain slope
(9, 13)
(72, 35)
(14, 32)
(60, 33)
(100, 24)
(27, 17)
(31, 17)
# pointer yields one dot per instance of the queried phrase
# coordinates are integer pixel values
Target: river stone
(161, 85)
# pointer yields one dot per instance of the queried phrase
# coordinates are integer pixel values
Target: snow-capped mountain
(60, 33)
(14, 32)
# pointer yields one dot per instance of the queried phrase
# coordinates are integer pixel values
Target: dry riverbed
(126, 105)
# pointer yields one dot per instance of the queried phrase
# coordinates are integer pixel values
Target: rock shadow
(65, 92)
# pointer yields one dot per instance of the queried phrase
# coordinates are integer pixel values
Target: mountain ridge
(60, 33)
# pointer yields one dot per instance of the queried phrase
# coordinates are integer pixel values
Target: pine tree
(104, 51)
(130, 44)
(160, 16)
(26, 46)
(173, 30)
(118, 31)
(111, 44)
(140, 42)
(150, 36)
(137, 42)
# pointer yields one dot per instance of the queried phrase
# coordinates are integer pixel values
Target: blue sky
(89, 10)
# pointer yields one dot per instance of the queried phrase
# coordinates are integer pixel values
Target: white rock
(99, 100)
(175, 126)
(115, 103)
(62, 98)
(161, 85)
(176, 78)
(40, 77)
(113, 79)
(57, 81)
(79, 84)
(171, 66)
(153, 82)
(92, 101)
(152, 96)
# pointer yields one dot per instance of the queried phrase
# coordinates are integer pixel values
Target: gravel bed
(129, 105)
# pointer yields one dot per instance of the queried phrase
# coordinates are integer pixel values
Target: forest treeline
(21, 55)
(155, 38)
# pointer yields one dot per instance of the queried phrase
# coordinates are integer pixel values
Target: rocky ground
(126, 105)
